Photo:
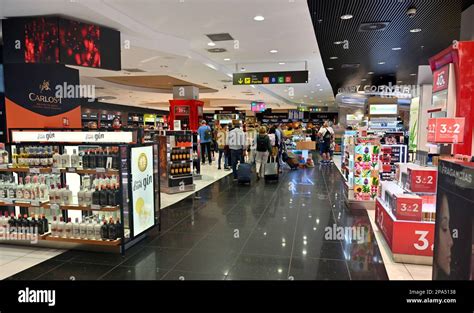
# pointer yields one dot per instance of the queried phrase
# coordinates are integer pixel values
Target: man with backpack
(205, 135)
(326, 135)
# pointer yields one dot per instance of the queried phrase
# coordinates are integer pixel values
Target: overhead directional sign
(271, 78)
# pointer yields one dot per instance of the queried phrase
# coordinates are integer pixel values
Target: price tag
(71, 170)
(55, 170)
(34, 170)
(54, 206)
(100, 170)
(35, 202)
(95, 207)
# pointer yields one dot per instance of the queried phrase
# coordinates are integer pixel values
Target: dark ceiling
(439, 21)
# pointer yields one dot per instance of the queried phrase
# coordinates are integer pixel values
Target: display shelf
(181, 148)
(23, 204)
(180, 162)
(47, 170)
(84, 208)
(25, 237)
(84, 241)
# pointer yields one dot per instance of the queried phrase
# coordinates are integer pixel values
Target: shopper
(237, 147)
(221, 138)
(251, 143)
(274, 142)
(325, 137)
(205, 135)
(279, 135)
(264, 148)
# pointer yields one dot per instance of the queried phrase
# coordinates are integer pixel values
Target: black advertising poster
(270, 78)
(453, 248)
(35, 87)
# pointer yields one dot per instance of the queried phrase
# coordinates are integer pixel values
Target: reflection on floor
(395, 271)
(295, 229)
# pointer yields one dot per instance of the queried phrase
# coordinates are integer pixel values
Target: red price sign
(446, 130)
(409, 208)
(422, 180)
(384, 222)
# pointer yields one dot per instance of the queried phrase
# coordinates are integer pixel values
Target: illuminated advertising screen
(383, 109)
(258, 106)
(143, 194)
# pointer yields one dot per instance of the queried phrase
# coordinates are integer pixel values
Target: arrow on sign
(240, 81)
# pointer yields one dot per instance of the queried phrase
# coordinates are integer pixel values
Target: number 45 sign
(446, 130)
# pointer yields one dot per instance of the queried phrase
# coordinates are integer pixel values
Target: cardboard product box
(422, 179)
(306, 145)
(408, 207)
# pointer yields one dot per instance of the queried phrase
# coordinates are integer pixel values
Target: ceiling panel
(439, 21)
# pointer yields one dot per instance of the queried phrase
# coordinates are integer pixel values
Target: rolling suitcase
(244, 173)
(271, 171)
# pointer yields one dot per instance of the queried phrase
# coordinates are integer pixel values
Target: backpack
(262, 143)
(207, 134)
(327, 136)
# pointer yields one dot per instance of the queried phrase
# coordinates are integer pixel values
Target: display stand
(129, 166)
(188, 112)
(176, 159)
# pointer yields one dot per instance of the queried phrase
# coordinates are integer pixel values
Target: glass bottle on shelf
(83, 229)
(76, 231)
(56, 158)
(75, 159)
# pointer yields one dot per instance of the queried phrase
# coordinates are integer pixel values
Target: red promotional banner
(441, 79)
(446, 130)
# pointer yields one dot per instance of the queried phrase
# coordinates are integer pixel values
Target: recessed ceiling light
(338, 42)
(226, 59)
(317, 85)
(211, 44)
(370, 73)
(333, 58)
(258, 18)
(321, 89)
(415, 30)
(330, 68)
(273, 51)
(400, 81)
(413, 74)
(281, 63)
(346, 17)
(306, 96)
(312, 91)
(381, 63)
(364, 79)
(396, 48)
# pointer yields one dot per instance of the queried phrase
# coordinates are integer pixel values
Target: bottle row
(95, 190)
(180, 169)
(49, 156)
(25, 225)
(183, 140)
(180, 155)
(89, 228)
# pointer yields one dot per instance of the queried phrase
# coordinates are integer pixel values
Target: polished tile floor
(276, 231)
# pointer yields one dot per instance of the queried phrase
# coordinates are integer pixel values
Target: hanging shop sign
(441, 79)
(270, 78)
(446, 130)
(143, 194)
(383, 109)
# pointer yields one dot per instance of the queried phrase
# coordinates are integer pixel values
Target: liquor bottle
(100, 158)
(27, 188)
(35, 227)
(12, 222)
(14, 157)
(86, 181)
(83, 229)
(111, 196)
(119, 229)
(81, 194)
(54, 227)
(75, 159)
(76, 231)
(104, 231)
(90, 230)
(25, 224)
(52, 194)
(67, 232)
(44, 222)
(61, 228)
(115, 158)
(86, 159)
(103, 196)
(3, 222)
(50, 156)
(65, 160)
(92, 160)
(113, 180)
(96, 196)
(97, 228)
(56, 159)
(66, 196)
(88, 197)
(112, 230)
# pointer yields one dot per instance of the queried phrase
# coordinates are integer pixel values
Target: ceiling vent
(217, 50)
(350, 65)
(373, 26)
(220, 37)
(133, 70)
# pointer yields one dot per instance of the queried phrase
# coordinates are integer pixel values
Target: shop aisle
(262, 232)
